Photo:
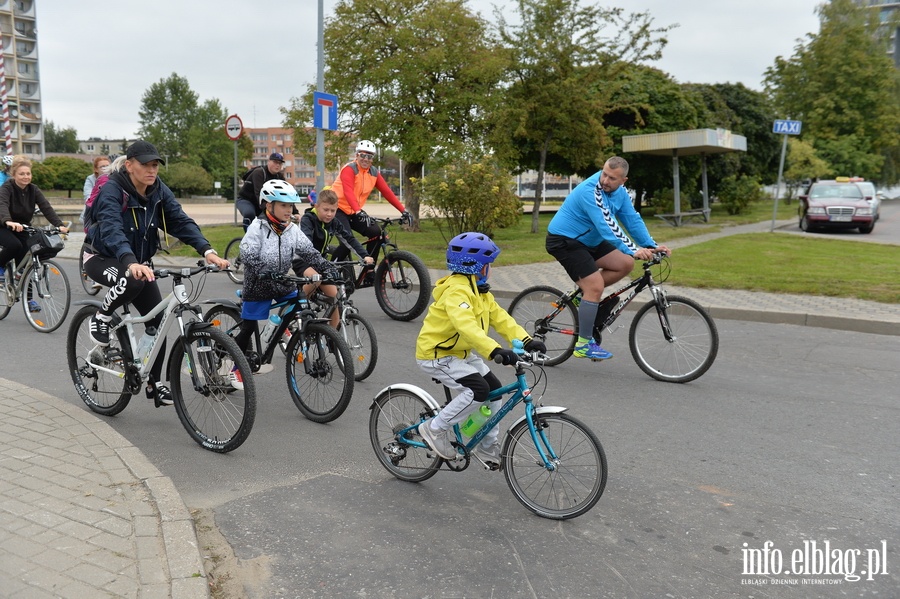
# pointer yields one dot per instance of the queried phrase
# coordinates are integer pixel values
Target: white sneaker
(490, 456)
(236, 380)
(265, 369)
(437, 440)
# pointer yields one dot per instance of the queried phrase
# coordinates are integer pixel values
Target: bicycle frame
(382, 250)
(176, 303)
(521, 393)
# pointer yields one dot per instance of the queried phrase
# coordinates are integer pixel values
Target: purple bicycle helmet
(468, 253)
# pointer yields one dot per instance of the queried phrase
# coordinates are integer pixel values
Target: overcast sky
(97, 60)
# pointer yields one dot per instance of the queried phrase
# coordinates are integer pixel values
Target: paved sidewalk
(84, 514)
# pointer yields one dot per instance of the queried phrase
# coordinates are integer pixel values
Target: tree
(186, 178)
(185, 131)
(843, 86)
(411, 75)
(63, 141)
(802, 164)
(68, 173)
(470, 195)
(565, 55)
(167, 115)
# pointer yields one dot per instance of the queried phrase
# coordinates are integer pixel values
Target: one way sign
(787, 127)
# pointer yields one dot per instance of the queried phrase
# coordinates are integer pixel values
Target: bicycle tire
(90, 286)
(406, 297)
(225, 318)
(323, 393)
(7, 293)
(233, 255)
(689, 355)
(218, 416)
(391, 412)
(532, 306)
(359, 334)
(104, 393)
(52, 293)
(579, 479)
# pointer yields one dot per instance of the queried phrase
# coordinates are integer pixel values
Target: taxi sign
(787, 127)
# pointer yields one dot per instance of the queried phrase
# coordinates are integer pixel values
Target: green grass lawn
(774, 263)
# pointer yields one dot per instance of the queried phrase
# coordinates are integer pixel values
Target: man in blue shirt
(585, 236)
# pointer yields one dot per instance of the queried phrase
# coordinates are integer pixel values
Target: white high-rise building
(21, 127)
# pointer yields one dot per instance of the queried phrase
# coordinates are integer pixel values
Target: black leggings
(480, 385)
(143, 295)
(360, 225)
(12, 245)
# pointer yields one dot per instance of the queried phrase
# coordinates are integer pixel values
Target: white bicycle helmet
(7, 160)
(276, 190)
(365, 146)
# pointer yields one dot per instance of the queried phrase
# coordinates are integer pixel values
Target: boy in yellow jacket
(457, 323)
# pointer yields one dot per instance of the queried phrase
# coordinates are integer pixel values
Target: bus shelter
(685, 143)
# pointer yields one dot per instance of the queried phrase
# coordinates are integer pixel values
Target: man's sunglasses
(365, 155)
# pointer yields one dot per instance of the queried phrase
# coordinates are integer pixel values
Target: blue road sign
(325, 111)
(787, 127)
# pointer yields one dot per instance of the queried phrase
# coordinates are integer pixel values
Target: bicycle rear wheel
(216, 415)
(233, 255)
(103, 392)
(533, 308)
(579, 477)
(402, 285)
(359, 334)
(391, 412)
(319, 372)
(48, 289)
(90, 286)
(692, 348)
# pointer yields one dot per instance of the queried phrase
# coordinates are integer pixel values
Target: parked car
(838, 204)
(872, 195)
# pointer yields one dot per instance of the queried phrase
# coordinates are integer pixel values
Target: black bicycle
(672, 338)
(319, 366)
(401, 280)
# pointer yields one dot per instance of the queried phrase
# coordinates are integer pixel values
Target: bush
(736, 194)
(185, 178)
(470, 196)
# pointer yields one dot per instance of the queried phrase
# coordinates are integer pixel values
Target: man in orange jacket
(353, 185)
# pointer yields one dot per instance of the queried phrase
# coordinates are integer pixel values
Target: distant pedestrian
(248, 198)
(312, 197)
(101, 167)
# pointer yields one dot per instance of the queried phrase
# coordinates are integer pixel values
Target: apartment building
(20, 96)
(888, 11)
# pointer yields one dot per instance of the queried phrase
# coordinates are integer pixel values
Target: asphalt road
(788, 442)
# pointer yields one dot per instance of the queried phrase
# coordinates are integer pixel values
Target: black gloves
(364, 217)
(507, 357)
(406, 218)
(533, 345)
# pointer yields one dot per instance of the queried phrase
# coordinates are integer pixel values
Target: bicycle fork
(662, 307)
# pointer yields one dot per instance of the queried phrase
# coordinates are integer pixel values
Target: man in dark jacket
(248, 196)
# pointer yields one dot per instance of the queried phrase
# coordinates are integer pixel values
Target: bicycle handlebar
(277, 276)
(526, 358)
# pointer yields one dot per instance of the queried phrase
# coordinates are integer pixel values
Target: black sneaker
(99, 331)
(162, 394)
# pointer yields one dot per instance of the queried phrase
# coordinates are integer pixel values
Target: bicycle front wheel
(233, 255)
(360, 337)
(215, 414)
(47, 296)
(534, 309)
(393, 411)
(98, 372)
(402, 285)
(90, 287)
(689, 352)
(319, 372)
(579, 475)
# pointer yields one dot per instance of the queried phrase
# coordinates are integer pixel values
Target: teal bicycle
(553, 463)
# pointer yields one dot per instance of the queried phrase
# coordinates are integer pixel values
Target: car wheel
(867, 229)
(804, 224)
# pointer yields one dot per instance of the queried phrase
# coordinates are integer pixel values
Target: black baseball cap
(277, 156)
(143, 152)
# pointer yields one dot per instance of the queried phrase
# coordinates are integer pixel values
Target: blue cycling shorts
(259, 310)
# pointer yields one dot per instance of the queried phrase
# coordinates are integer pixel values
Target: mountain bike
(319, 368)
(40, 281)
(215, 414)
(401, 280)
(355, 328)
(552, 462)
(672, 338)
